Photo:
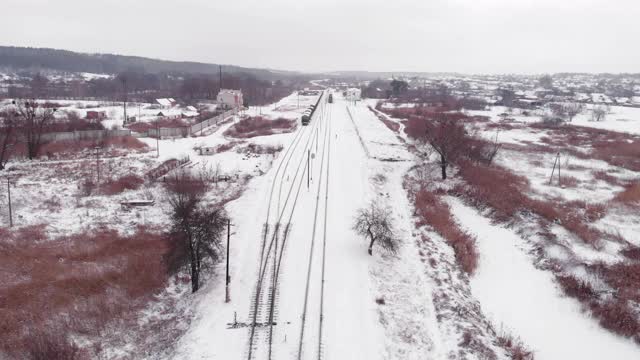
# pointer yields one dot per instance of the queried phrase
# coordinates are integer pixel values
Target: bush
(127, 182)
(52, 344)
(259, 126)
(630, 195)
(78, 146)
(142, 127)
(616, 316)
(436, 213)
(576, 288)
(484, 183)
(84, 282)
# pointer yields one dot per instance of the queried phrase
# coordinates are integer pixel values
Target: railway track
(263, 310)
(325, 152)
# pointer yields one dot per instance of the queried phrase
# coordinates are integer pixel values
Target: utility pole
(227, 298)
(157, 139)
(124, 85)
(9, 194)
(308, 168)
(220, 68)
(98, 166)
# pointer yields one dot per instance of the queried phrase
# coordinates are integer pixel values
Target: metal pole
(9, 194)
(308, 168)
(228, 279)
(98, 166)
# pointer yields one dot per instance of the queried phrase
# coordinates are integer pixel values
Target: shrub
(52, 344)
(616, 316)
(484, 183)
(576, 288)
(630, 195)
(261, 149)
(436, 213)
(514, 347)
(127, 182)
(142, 127)
(259, 126)
(77, 146)
(84, 282)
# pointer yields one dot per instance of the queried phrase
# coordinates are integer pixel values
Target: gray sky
(475, 36)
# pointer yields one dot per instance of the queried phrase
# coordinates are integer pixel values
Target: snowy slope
(524, 299)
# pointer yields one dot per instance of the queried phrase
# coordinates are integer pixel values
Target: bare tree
(32, 119)
(198, 228)
(449, 139)
(8, 137)
(376, 223)
(598, 113)
(573, 109)
(481, 150)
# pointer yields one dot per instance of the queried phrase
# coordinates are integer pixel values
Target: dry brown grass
(259, 126)
(83, 283)
(630, 195)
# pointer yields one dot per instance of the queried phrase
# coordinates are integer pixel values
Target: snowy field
(321, 294)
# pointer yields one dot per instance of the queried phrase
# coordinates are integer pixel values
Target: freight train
(307, 115)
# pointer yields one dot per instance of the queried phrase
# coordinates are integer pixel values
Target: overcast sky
(473, 36)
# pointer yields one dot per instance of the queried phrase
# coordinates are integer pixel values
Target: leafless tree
(449, 139)
(598, 113)
(32, 119)
(481, 150)
(376, 223)
(573, 109)
(198, 228)
(8, 137)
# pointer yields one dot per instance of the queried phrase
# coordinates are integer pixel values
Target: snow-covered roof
(164, 102)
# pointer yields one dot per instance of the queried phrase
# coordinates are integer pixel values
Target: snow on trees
(376, 223)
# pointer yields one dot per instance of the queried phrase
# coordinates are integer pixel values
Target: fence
(164, 132)
(84, 135)
(188, 130)
(213, 121)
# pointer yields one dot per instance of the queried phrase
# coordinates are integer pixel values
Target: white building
(230, 98)
(166, 103)
(353, 94)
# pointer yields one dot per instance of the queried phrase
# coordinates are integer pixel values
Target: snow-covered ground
(619, 118)
(374, 307)
(526, 300)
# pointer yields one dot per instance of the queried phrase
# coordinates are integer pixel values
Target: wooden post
(559, 180)
(227, 298)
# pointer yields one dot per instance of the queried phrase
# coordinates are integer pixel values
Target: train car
(308, 113)
(330, 100)
(306, 117)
